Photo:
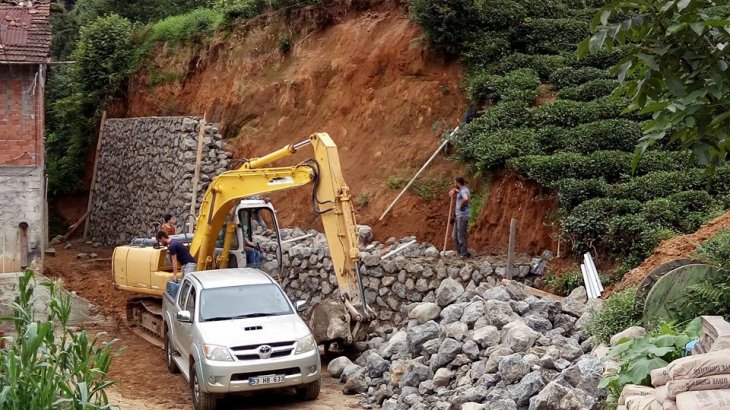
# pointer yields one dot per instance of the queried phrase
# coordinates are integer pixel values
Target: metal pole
(298, 238)
(511, 248)
(446, 141)
(448, 222)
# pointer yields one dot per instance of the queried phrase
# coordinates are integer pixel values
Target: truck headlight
(218, 353)
(306, 344)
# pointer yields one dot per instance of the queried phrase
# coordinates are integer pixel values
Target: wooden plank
(92, 187)
(196, 176)
(73, 228)
(534, 292)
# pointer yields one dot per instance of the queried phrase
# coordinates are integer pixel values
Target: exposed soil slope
(367, 78)
(682, 246)
(511, 196)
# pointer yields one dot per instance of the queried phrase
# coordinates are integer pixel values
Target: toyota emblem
(265, 351)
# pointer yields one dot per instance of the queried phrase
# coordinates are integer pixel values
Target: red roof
(25, 33)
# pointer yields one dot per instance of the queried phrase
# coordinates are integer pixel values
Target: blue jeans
(253, 258)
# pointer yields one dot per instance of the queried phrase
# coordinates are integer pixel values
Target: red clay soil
(511, 196)
(682, 246)
(367, 78)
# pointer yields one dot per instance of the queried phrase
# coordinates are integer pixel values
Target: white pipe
(592, 266)
(592, 274)
(586, 282)
(399, 249)
(298, 238)
(446, 141)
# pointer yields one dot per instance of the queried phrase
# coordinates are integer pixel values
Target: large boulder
(448, 291)
(512, 368)
(397, 344)
(472, 312)
(498, 313)
(446, 353)
(415, 374)
(575, 303)
(337, 365)
(518, 336)
(442, 377)
(549, 397)
(528, 386)
(486, 336)
(416, 336)
(376, 365)
(423, 312)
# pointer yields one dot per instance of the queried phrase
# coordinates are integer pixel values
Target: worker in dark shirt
(179, 254)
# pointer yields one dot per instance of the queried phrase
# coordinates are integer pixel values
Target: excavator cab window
(260, 227)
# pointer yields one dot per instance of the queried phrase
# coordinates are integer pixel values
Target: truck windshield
(238, 302)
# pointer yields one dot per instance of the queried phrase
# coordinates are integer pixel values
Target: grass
(431, 188)
(395, 182)
(362, 200)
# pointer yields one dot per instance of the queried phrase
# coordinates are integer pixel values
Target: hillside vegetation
(550, 117)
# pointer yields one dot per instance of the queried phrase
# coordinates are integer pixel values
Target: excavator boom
(331, 201)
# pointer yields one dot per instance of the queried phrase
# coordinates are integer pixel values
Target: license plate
(268, 379)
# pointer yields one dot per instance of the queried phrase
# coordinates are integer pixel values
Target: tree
(676, 69)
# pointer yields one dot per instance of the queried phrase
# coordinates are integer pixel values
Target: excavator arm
(330, 199)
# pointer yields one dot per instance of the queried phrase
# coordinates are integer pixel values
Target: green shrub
(618, 313)
(551, 138)
(507, 114)
(550, 36)
(633, 237)
(499, 15)
(662, 211)
(660, 184)
(603, 59)
(447, 24)
(103, 60)
(611, 134)
(483, 49)
(430, 188)
(395, 182)
(546, 169)
(243, 10)
(589, 222)
(716, 250)
(720, 181)
(571, 76)
(544, 65)
(564, 283)
(637, 357)
(572, 192)
(654, 161)
(519, 86)
(590, 90)
(546, 8)
(491, 150)
(284, 44)
(196, 24)
(49, 364)
(611, 165)
(569, 113)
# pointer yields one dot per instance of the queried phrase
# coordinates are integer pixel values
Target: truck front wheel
(309, 391)
(201, 399)
(169, 352)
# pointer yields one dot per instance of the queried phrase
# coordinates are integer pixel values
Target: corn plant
(48, 365)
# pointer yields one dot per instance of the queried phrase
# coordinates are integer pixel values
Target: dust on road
(143, 381)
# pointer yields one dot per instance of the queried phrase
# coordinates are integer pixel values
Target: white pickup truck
(235, 330)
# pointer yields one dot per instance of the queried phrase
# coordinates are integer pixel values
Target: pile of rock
(488, 347)
(145, 170)
(413, 275)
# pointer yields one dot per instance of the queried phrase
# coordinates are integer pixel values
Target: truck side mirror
(301, 305)
(184, 316)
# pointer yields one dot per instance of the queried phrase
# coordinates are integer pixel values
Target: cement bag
(701, 365)
(721, 343)
(659, 377)
(708, 399)
(634, 390)
(660, 394)
(716, 382)
(621, 407)
(669, 405)
(642, 403)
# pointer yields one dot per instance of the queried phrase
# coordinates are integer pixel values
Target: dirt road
(142, 379)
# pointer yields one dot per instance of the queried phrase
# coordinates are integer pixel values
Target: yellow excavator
(224, 227)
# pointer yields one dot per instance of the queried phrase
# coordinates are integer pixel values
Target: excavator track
(144, 318)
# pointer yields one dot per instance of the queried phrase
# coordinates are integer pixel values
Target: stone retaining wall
(145, 170)
(391, 285)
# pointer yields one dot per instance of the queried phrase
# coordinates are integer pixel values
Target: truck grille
(253, 352)
(286, 372)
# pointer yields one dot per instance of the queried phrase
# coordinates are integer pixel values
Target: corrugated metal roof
(25, 33)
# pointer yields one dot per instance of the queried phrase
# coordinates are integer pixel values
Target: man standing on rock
(462, 195)
(179, 254)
